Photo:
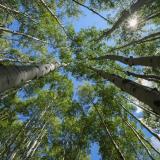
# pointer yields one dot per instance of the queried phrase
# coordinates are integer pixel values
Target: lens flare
(133, 22)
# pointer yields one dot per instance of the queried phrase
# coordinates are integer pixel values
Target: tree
(151, 61)
(89, 98)
(124, 15)
(144, 94)
(17, 75)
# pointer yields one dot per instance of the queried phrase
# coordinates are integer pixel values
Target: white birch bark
(14, 76)
(39, 142)
(35, 142)
(144, 94)
(151, 61)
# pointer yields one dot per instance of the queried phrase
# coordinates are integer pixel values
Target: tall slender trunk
(131, 143)
(55, 17)
(15, 61)
(28, 143)
(135, 152)
(148, 129)
(124, 15)
(39, 142)
(151, 61)
(151, 37)
(11, 152)
(145, 94)
(138, 137)
(143, 138)
(121, 156)
(148, 110)
(143, 76)
(34, 143)
(14, 76)
(153, 16)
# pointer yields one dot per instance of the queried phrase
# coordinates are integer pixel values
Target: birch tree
(49, 110)
(151, 61)
(18, 75)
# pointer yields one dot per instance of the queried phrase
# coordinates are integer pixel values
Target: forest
(79, 79)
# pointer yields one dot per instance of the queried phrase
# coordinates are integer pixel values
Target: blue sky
(88, 19)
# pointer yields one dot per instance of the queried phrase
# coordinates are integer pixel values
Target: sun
(133, 22)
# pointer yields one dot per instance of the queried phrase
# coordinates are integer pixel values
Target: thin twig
(55, 17)
(92, 10)
(17, 12)
(22, 34)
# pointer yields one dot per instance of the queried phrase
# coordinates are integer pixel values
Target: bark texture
(151, 61)
(143, 76)
(14, 76)
(144, 94)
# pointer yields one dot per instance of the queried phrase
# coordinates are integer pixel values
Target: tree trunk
(143, 76)
(142, 124)
(143, 138)
(151, 37)
(121, 156)
(14, 76)
(34, 143)
(36, 147)
(145, 94)
(124, 15)
(148, 110)
(151, 61)
(153, 16)
(138, 137)
(55, 17)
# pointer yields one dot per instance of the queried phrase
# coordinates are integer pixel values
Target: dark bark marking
(157, 103)
(8, 80)
(155, 89)
(131, 61)
(17, 68)
(124, 81)
(151, 60)
(36, 77)
(134, 89)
